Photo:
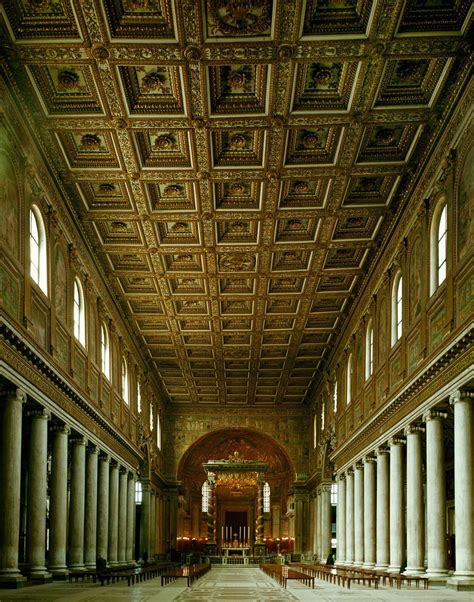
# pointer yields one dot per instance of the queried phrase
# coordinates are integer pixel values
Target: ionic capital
(396, 441)
(459, 396)
(434, 415)
(413, 429)
(369, 459)
(78, 440)
(41, 413)
(64, 429)
(381, 451)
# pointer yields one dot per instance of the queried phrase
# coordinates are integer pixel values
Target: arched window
(125, 392)
(333, 494)
(349, 379)
(38, 250)
(138, 492)
(79, 313)
(315, 430)
(158, 431)
(152, 418)
(369, 350)
(439, 247)
(205, 491)
(323, 416)
(139, 398)
(266, 497)
(334, 397)
(397, 308)
(104, 351)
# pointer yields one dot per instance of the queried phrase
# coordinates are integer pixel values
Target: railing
(238, 560)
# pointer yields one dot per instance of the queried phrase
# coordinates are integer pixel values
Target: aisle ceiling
(236, 164)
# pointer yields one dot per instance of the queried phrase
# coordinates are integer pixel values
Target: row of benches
(131, 573)
(283, 573)
(191, 572)
(345, 576)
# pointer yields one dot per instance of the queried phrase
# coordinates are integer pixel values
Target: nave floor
(223, 585)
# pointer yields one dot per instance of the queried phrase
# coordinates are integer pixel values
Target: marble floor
(226, 585)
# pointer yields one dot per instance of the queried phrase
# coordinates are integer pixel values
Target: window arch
(349, 379)
(397, 308)
(266, 497)
(205, 493)
(79, 312)
(104, 351)
(125, 387)
(38, 250)
(369, 350)
(439, 246)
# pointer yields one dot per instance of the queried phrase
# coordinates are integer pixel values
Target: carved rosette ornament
(240, 17)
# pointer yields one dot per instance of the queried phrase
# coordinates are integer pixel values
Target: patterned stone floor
(226, 585)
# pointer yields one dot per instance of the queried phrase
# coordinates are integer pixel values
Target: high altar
(235, 506)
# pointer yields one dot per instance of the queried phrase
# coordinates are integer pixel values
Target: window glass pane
(205, 496)
(139, 398)
(335, 397)
(333, 494)
(266, 497)
(124, 382)
(138, 493)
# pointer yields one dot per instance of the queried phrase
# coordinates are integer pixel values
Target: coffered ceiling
(236, 164)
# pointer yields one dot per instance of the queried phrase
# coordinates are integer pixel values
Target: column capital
(459, 396)
(350, 471)
(382, 450)
(368, 459)
(18, 394)
(326, 488)
(434, 415)
(359, 465)
(413, 429)
(131, 475)
(341, 476)
(104, 456)
(78, 440)
(92, 449)
(396, 441)
(56, 427)
(123, 470)
(39, 413)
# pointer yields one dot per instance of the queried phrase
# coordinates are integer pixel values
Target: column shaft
(359, 515)
(326, 522)
(382, 511)
(318, 525)
(145, 522)
(341, 521)
(122, 517)
(37, 491)
(113, 514)
(369, 512)
(58, 504)
(76, 505)
(350, 517)
(435, 497)
(464, 490)
(103, 508)
(130, 543)
(10, 455)
(90, 527)
(415, 506)
(397, 523)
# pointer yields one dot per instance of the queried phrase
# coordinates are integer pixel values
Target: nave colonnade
(65, 500)
(392, 511)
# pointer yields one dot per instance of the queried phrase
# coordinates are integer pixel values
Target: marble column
(103, 485)
(437, 569)
(415, 516)
(130, 540)
(382, 555)
(317, 501)
(11, 414)
(359, 514)
(341, 521)
(113, 514)
(350, 517)
(152, 523)
(369, 512)
(145, 521)
(397, 522)
(58, 503)
(122, 517)
(259, 525)
(326, 522)
(90, 526)
(463, 577)
(37, 492)
(77, 504)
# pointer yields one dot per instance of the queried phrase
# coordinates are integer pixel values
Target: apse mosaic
(325, 86)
